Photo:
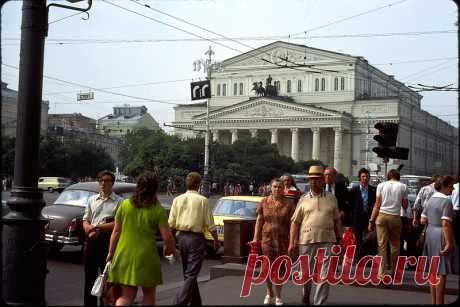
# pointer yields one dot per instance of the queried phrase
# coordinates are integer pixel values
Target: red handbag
(348, 238)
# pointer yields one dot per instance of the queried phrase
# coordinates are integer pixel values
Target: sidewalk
(224, 287)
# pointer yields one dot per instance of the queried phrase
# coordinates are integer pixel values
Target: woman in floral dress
(272, 231)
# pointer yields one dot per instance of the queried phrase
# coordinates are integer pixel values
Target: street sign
(85, 96)
(200, 90)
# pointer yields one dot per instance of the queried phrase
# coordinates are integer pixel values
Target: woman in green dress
(133, 250)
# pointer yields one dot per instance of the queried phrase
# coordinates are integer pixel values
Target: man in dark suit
(362, 200)
(340, 191)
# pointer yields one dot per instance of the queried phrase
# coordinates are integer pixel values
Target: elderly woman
(272, 231)
(290, 190)
(438, 215)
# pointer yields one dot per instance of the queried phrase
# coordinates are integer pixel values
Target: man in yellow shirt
(190, 215)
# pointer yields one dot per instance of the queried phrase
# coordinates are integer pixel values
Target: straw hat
(315, 171)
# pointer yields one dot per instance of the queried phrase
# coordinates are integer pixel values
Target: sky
(128, 48)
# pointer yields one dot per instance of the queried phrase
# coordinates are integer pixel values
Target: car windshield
(74, 198)
(236, 208)
(304, 187)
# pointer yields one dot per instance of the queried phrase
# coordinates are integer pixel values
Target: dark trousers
(456, 227)
(192, 247)
(94, 256)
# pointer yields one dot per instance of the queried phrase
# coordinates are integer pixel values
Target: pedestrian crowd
(381, 219)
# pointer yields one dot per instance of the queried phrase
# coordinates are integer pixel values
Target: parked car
(231, 207)
(65, 225)
(52, 184)
(303, 187)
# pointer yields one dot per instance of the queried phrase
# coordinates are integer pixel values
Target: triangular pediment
(276, 53)
(266, 107)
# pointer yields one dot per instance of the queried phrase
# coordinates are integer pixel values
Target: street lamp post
(208, 66)
(24, 254)
(23, 249)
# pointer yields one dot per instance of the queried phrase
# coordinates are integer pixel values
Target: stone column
(338, 133)
(215, 135)
(295, 144)
(234, 135)
(316, 143)
(253, 132)
(274, 139)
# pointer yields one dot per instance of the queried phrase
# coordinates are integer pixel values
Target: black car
(65, 225)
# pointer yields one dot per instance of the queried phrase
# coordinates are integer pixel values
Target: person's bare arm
(375, 213)
(168, 239)
(293, 237)
(114, 240)
(447, 232)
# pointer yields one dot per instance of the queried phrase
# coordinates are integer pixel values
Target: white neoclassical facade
(326, 109)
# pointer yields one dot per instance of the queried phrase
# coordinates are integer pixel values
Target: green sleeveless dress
(136, 261)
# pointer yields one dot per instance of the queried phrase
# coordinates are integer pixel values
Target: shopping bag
(100, 281)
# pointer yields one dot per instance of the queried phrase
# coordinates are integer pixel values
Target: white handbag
(100, 281)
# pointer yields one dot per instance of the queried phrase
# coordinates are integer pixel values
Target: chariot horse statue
(258, 88)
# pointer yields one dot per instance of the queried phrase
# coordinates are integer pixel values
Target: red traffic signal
(388, 133)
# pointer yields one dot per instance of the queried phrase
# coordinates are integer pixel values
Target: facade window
(342, 83)
(336, 84)
(278, 86)
(241, 88)
(316, 84)
(235, 89)
(218, 89)
(224, 89)
(288, 86)
(299, 86)
(323, 84)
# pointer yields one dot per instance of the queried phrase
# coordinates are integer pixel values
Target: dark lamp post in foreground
(23, 249)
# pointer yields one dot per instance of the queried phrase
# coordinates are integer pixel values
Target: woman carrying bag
(133, 250)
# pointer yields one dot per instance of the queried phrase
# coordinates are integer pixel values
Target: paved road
(64, 282)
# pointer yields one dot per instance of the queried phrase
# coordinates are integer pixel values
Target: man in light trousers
(317, 217)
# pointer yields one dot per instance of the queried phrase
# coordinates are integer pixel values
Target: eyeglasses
(105, 180)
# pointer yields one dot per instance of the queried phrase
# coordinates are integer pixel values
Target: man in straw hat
(317, 217)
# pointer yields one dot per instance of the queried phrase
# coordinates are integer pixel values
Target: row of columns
(338, 133)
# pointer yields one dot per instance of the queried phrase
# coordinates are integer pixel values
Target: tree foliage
(74, 159)
(247, 160)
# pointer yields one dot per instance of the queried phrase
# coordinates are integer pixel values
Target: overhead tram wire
(98, 89)
(128, 85)
(88, 41)
(188, 32)
(351, 17)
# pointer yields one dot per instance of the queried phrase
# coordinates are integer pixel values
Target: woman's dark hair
(146, 190)
(443, 182)
(192, 181)
(363, 171)
(105, 173)
(393, 174)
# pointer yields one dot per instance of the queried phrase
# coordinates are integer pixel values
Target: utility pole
(23, 233)
(208, 67)
(24, 252)
(367, 141)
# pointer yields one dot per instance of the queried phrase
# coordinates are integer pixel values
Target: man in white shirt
(456, 223)
(385, 217)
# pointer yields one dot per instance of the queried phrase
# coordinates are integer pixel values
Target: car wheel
(50, 189)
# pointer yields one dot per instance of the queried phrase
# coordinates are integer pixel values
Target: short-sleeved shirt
(422, 197)
(438, 208)
(191, 212)
(455, 197)
(317, 215)
(98, 209)
(392, 193)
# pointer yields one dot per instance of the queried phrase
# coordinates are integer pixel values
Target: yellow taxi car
(231, 208)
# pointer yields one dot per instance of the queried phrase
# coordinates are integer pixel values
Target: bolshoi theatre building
(325, 107)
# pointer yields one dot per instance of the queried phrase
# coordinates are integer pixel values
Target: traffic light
(388, 133)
